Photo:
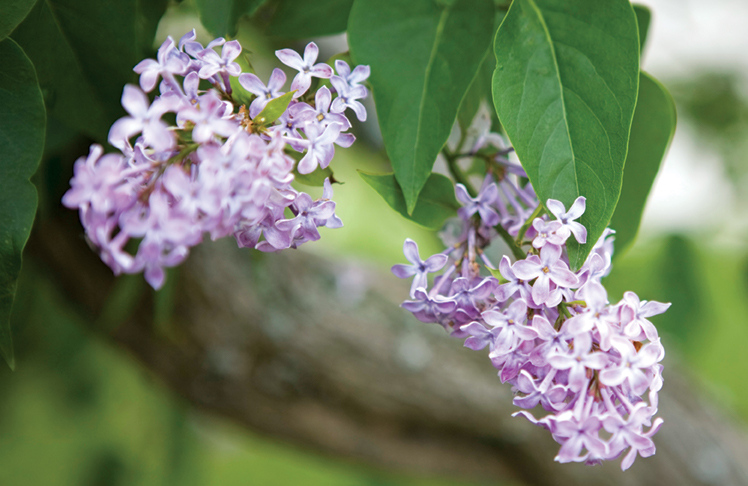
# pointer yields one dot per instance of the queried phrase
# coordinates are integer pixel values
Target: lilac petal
(231, 50)
(563, 277)
(290, 58)
(628, 460)
(596, 361)
(360, 73)
(359, 110)
(462, 195)
(577, 209)
(311, 51)
(252, 83)
(410, 249)
(653, 308)
(613, 377)
(277, 80)
(321, 70)
(134, 101)
(122, 130)
(480, 336)
(301, 84)
(435, 263)
(155, 276)
(579, 231)
(555, 207)
(527, 269)
(330, 134)
(322, 99)
(342, 68)
(541, 289)
(307, 164)
(345, 140)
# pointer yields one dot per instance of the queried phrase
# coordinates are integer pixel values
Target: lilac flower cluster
(222, 168)
(551, 332)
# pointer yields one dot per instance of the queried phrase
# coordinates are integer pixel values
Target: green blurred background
(79, 411)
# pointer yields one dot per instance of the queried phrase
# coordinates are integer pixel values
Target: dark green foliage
(22, 124)
(12, 12)
(651, 132)
(220, 17)
(301, 19)
(84, 52)
(643, 18)
(423, 59)
(435, 204)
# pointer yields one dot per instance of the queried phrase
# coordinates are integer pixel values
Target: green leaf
(565, 88)
(480, 89)
(651, 134)
(423, 58)
(436, 203)
(301, 19)
(84, 52)
(643, 18)
(316, 178)
(12, 12)
(220, 17)
(22, 125)
(274, 109)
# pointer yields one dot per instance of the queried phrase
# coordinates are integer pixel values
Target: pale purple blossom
(306, 67)
(264, 94)
(545, 269)
(352, 78)
(481, 204)
(419, 269)
(348, 98)
(567, 218)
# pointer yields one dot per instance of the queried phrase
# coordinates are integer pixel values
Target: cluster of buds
(221, 167)
(551, 333)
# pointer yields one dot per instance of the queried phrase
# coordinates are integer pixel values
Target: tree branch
(318, 353)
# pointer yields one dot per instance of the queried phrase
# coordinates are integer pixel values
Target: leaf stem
(516, 250)
(521, 234)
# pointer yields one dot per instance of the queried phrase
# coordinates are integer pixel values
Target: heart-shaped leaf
(22, 123)
(565, 89)
(423, 57)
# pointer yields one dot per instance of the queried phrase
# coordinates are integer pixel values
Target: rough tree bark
(318, 353)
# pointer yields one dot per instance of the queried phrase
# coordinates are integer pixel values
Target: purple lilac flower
(306, 67)
(418, 268)
(213, 173)
(546, 269)
(594, 367)
(319, 145)
(143, 118)
(169, 61)
(510, 323)
(352, 78)
(264, 94)
(567, 218)
(348, 98)
(481, 204)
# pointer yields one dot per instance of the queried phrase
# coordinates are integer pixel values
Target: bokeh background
(81, 411)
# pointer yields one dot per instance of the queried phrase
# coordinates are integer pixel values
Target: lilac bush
(221, 167)
(551, 333)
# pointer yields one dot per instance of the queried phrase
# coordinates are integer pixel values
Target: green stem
(516, 251)
(521, 235)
